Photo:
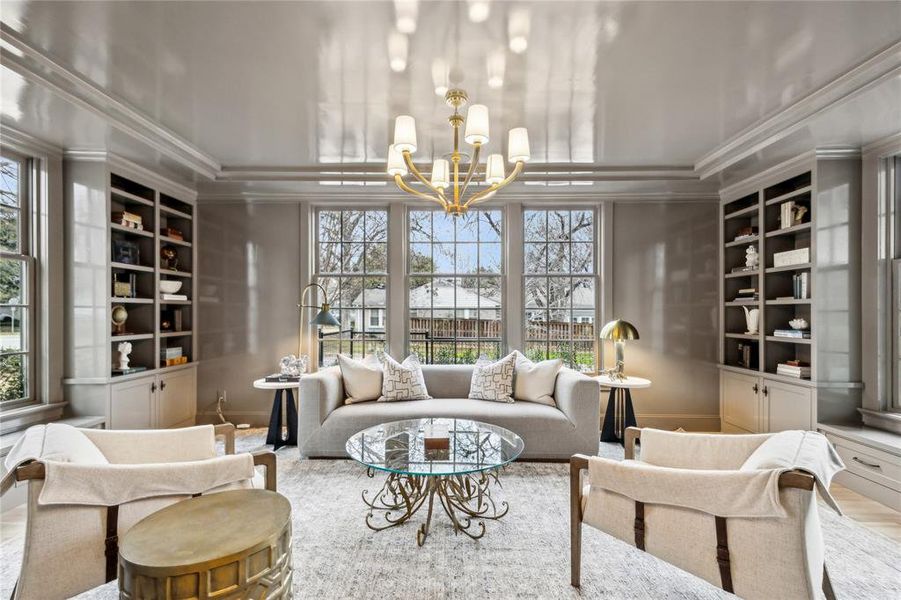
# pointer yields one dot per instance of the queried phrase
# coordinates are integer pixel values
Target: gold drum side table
(228, 545)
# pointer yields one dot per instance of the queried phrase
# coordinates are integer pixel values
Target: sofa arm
(578, 397)
(320, 394)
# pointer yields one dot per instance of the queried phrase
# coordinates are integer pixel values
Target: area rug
(525, 555)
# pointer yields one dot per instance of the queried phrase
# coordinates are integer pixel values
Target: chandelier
(445, 186)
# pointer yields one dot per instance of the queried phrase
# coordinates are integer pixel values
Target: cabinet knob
(162, 385)
(766, 391)
(153, 387)
(756, 389)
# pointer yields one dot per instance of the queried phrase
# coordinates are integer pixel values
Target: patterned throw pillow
(402, 381)
(493, 380)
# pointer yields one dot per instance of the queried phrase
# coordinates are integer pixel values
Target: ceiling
(299, 84)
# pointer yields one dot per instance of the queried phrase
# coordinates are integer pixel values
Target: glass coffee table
(459, 477)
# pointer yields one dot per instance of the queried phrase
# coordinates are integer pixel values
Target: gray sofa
(572, 427)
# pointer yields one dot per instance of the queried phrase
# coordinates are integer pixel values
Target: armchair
(88, 486)
(753, 531)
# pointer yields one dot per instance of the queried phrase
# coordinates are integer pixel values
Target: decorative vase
(752, 318)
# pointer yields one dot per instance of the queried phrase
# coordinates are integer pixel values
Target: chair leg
(827, 584)
(577, 464)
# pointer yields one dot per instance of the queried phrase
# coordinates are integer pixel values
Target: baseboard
(675, 421)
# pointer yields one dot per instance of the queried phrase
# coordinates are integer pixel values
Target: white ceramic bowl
(168, 286)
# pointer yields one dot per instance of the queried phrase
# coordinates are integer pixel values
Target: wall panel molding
(875, 70)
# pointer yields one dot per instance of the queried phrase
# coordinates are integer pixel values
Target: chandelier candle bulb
(476, 125)
(479, 10)
(494, 170)
(405, 134)
(396, 164)
(496, 64)
(398, 46)
(406, 12)
(517, 145)
(440, 173)
(518, 30)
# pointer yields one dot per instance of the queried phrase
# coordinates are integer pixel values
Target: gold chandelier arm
(417, 174)
(472, 168)
(406, 188)
(484, 194)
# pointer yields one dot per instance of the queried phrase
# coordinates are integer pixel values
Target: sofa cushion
(518, 417)
(493, 380)
(534, 382)
(362, 378)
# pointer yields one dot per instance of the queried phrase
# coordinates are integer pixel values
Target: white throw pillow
(362, 378)
(402, 381)
(493, 380)
(535, 382)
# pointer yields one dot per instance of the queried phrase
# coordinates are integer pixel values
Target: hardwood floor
(869, 513)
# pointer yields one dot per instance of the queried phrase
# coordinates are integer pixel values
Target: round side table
(275, 435)
(233, 544)
(620, 414)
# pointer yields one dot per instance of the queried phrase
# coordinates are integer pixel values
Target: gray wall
(661, 273)
(664, 268)
(249, 284)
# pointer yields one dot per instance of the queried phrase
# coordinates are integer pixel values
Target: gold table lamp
(618, 331)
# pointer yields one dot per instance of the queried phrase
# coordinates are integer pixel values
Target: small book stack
(799, 285)
(742, 269)
(127, 219)
(280, 378)
(172, 356)
(747, 295)
(792, 333)
(794, 368)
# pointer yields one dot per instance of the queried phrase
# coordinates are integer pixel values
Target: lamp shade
(325, 318)
(396, 164)
(517, 145)
(494, 170)
(619, 330)
(405, 134)
(476, 125)
(398, 46)
(440, 173)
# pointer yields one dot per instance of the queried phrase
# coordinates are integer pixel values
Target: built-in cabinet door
(131, 403)
(739, 396)
(787, 406)
(177, 398)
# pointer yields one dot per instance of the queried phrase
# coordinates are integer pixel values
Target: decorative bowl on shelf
(168, 286)
(799, 324)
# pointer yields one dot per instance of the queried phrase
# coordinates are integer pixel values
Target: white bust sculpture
(124, 349)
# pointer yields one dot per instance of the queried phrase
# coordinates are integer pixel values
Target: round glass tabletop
(435, 446)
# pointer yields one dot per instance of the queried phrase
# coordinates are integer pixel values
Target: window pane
(13, 329)
(9, 182)
(329, 258)
(9, 230)
(560, 243)
(353, 257)
(329, 226)
(352, 226)
(374, 292)
(12, 277)
(536, 351)
(454, 296)
(13, 377)
(376, 226)
(376, 258)
(420, 225)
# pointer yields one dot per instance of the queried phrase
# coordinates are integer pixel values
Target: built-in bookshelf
(801, 219)
(131, 234)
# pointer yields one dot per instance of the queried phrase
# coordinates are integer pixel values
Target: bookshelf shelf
(742, 274)
(788, 302)
(743, 242)
(743, 336)
(802, 228)
(130, 231)
(127, 267)
(744, 212)
(790, 195)
(788, 340)
(788, 268)
(129, 197)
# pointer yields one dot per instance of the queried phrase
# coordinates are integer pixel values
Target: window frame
(893, 207)
(502, 275)
(318, 276)
(595, 275)
(27, 256)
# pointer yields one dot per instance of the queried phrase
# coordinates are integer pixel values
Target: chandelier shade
(448, 185)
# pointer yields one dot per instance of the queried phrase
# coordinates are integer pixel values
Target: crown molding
(25, 143)
(777, 125)
(536, 172)
(887, 146)
(123, 166)
(42, 69)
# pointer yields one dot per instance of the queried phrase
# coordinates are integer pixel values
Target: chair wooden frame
(579, 463)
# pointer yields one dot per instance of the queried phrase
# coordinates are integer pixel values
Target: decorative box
(436, 437)
(791, 257)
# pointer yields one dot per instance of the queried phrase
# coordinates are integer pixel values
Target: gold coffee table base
(465, 498)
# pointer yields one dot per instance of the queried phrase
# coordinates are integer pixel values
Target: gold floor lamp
(323, 318)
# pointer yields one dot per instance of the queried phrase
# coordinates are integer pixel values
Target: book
(279, 378)
(790, 258)
(173, 297)
(171, 352)
(786, 214)
(791, 333)
(129, 370)
(742, 269)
